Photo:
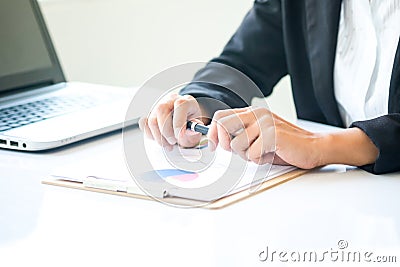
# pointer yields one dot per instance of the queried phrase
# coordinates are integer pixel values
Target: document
(190, 173)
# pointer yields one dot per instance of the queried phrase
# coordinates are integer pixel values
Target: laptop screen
(27, 57)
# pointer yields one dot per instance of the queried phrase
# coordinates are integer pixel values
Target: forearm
(350, 146)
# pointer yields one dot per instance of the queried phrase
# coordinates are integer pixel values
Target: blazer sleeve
(256, 50)
(384, 132)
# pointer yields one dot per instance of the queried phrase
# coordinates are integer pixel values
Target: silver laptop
(38, 109)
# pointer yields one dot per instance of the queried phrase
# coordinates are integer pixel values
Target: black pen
(196, 127)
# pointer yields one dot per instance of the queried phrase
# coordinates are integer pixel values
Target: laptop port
(13, 143)
(3, 142)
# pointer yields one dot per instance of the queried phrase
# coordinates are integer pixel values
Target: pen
(196, 127)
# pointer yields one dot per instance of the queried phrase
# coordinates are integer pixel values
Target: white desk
(44, 225)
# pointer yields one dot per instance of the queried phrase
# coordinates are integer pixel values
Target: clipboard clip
(122, 186)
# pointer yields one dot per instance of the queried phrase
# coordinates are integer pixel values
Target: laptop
(39, 110)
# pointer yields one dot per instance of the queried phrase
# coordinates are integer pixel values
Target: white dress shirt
(368, 37)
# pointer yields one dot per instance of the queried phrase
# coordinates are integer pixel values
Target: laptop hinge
(32, 90)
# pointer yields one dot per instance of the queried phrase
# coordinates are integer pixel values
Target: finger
(233, 122)
(185, 108)
(212, 136)
(142, 122)
(155, 131)
(173, 96)
(164, 119)
(233, 125)
(191, 138)
(255, 151)
(264, 143)
(224, 138)
(219, 135)
(242, 119)
(190, 141)
(143, 125)
(190, 132)
(242, 142)
(213, 127)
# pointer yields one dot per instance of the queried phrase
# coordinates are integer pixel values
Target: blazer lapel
(322, 24)
(394, 91)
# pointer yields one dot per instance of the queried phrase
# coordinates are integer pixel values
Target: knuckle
(179, 102)
(188, 97)
(152, 121)
(266, 120)
(219, 114)
(173, 96)
(142, 122)
(256, 113)
(183, 100)
(163, 107)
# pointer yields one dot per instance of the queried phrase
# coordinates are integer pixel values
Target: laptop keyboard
(20, 115)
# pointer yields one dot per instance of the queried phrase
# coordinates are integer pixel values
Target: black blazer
(298, 37)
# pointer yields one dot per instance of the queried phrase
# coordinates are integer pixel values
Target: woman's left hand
(256, 133)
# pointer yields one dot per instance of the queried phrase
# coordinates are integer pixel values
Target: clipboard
(213, 205)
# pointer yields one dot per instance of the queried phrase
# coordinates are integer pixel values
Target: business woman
(344, 62)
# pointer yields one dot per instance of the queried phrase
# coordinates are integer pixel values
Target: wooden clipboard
(216, 204)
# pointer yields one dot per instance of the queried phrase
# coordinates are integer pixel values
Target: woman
(344, 62)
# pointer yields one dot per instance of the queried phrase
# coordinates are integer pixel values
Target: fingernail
(177, 132)
(211, 147)
(171, 140)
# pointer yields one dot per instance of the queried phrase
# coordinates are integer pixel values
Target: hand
(166, 123)
(256, 133)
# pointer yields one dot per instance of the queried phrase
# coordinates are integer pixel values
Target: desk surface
(44, 225)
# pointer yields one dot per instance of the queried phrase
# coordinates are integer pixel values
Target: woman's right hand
(166, 123)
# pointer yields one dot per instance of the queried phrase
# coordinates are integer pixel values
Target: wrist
(349, 146)
(326, 147)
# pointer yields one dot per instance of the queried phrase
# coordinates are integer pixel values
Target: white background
(125, 42)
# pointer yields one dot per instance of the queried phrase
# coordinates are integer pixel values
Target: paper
(185, 171)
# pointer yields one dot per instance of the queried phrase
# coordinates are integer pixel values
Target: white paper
(208, 166)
